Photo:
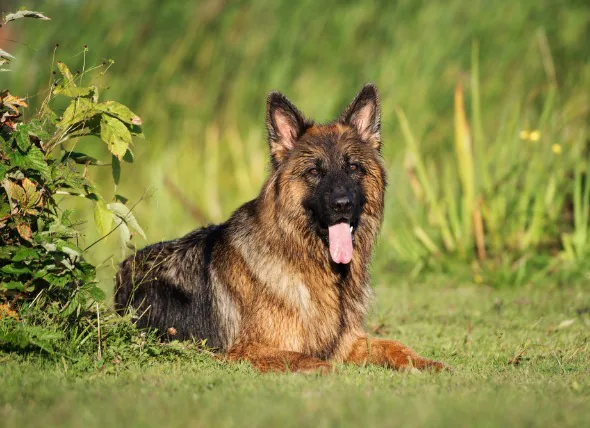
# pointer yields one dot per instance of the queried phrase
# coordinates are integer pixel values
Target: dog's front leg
(269, 359)
(391, 354)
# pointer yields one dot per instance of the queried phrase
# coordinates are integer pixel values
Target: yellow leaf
(66, 73)
(24, 230)
(115, 134)
(17, 193)
(31, 193)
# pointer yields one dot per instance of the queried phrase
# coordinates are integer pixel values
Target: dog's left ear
(364, 115)
(285, 125)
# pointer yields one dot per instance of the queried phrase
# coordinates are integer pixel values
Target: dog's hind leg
(391, 354)
(269, 359)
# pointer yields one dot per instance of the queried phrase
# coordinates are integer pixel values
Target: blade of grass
(464, 153)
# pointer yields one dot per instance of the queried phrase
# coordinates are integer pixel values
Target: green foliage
(501, 199)
(48, 290)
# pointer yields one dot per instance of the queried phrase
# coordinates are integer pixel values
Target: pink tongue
(340, 242)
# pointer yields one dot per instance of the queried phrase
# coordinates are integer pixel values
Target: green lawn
(478, 330)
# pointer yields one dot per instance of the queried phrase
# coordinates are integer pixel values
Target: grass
(520, 356)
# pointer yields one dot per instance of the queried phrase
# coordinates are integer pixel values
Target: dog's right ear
(285, 125)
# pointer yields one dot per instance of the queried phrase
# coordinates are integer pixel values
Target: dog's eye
(353, 166)
(314, 172)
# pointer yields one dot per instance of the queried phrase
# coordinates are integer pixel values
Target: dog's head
(329, 179)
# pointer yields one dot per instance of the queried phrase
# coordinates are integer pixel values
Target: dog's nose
(341, 203)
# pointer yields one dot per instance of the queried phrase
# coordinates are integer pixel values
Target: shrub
(48, 292)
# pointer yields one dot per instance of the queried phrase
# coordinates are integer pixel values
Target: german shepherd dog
(283, 284)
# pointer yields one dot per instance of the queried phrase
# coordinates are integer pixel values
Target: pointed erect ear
(364, 115)
(285, 125)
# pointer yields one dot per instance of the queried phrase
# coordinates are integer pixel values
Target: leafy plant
(47, 288)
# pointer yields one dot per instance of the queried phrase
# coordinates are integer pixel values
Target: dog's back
(169, 284)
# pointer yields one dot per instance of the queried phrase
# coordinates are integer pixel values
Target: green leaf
(121, 198)
(116, 169)
(103, 218)
(47, 112)
(12, 285)
(38, 130)
(25, 14)
(64, 175)
(22, 137)
(128, 156)
(36, 160)
(7, 252)
(127, 216)
(3, 170)
(33, 159)
(121, 112)
(5, 211)
(13, 270)
(79, 110)
(96, 293)
(25, 253)
(87, 270)
(115, 134)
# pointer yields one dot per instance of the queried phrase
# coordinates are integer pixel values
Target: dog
(283, 284)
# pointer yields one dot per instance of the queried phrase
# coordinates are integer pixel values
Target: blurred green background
(198, 74)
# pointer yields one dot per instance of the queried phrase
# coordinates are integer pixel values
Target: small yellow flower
(556, 149)
(534, 135)
(478, 279)
(530, 135)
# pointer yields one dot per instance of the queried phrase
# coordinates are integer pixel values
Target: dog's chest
(295, 308)
(309, 316)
